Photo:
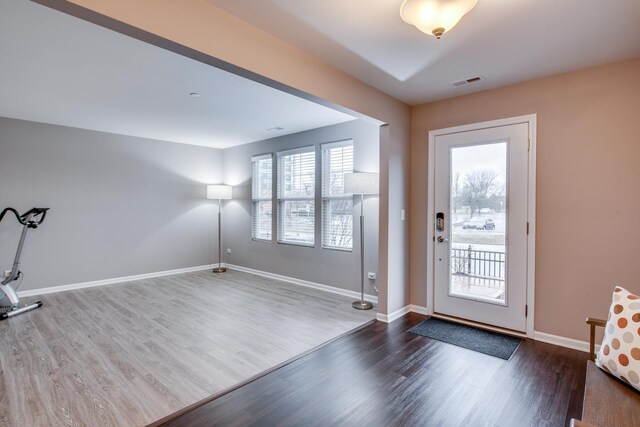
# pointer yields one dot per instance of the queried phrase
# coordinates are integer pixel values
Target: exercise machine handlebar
(29, 218)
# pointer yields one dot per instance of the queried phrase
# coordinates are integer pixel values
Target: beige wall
(208, 29)
(588, 171)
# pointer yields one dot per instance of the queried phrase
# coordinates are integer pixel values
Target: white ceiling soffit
(505, 41)
(61, 70)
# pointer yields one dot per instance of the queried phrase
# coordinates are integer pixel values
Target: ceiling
(61, 70)
(504, 41)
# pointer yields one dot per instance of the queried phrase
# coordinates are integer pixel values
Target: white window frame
(282, 198)
(257, 200)
(327, 198)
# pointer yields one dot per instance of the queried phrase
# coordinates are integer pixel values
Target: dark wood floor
(382, 375)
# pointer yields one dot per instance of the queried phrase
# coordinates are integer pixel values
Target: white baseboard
(563, 341)
(419, 309)
(306, 283)
(411, 308)
(537, 336)
(62, 288)
(388, 318)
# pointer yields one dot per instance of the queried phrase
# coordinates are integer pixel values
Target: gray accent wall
(123, 206)
(120, 205)
(325, 266)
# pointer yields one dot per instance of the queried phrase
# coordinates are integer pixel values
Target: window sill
(255, 239)
(331, 248)
(304, 245)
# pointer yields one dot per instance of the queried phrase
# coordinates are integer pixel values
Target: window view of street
(296, 196)
(478, 221)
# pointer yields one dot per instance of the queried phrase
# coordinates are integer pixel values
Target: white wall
(329, 267)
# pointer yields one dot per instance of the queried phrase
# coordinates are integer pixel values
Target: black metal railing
(476, 263)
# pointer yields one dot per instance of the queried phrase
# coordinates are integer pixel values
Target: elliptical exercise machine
(30, 219)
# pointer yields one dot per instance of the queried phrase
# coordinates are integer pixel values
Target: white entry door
(481, 225)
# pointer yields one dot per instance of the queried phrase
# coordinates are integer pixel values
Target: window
(337, 214)
(296, 196)
(261, 195)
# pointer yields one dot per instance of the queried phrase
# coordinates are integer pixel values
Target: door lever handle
(442, 239)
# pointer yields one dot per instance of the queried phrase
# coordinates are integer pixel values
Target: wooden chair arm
(593, 323)
(596, 322)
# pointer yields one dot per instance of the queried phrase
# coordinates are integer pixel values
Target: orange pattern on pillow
(619, 353)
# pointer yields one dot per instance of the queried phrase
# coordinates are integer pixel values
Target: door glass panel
(478, 218)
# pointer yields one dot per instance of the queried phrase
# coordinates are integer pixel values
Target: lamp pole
(362, 304)
(219, 268)
(219, 192)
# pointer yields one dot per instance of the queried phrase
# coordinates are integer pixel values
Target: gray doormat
(491, 343)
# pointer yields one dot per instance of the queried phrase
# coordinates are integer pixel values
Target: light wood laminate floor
(132, 353)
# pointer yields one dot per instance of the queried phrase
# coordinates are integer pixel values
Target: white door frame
(531, 120)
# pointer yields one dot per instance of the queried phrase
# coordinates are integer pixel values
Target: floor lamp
(219, 192)
(361, 183)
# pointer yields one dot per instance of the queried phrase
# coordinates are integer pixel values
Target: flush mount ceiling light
(194, 94)
(435, 16)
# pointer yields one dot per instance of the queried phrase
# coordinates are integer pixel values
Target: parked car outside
(479, 224)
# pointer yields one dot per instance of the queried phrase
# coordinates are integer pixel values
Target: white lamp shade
(429, 15)
(361, 183)
(219, 192)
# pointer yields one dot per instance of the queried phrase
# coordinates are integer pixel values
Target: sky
(491, 156)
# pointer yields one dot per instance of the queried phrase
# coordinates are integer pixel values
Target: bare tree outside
(339, 218)
(455, 193)
(478, 189)
(340, 223)
(478, 177)
(337, 227)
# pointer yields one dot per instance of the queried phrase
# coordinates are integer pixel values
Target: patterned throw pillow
(619, 353)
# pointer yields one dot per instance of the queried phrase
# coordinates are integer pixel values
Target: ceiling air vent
(468, 81)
